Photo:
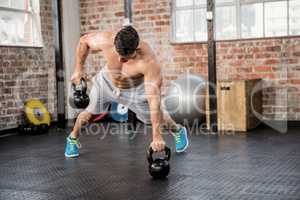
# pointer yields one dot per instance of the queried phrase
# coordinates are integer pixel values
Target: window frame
(25, 11)
(238, 4)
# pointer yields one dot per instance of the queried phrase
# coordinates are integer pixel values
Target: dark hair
(126, 41)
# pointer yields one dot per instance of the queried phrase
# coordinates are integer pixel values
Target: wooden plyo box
(238, 103)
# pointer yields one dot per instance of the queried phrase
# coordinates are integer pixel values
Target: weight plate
(118, 112)
(36, 112)
(121, 109)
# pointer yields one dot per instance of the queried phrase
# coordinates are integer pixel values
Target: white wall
(71, 35)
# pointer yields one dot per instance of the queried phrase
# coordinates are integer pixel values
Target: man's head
(126, 42)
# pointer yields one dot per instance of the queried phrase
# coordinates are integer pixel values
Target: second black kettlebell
(79, 98)
(159, 168)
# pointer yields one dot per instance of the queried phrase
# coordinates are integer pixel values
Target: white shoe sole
(71, 156)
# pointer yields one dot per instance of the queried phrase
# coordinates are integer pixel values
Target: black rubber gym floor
(261, 165)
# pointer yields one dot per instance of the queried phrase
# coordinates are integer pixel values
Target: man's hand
(158, 143)
(76, 77)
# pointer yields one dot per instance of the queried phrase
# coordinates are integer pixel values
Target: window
(294, 17)
(189, 22)
(225, 22)
(184, 33)
(20, 23)
(276, 18)
(251, 20)
(200, 25)
(236, 19)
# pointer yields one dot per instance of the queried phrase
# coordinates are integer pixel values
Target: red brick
(180, 59)
(102, 3)
(10, 83)
(297, 54)
(262, 55)
(244, 69)
(274, 48)
(237, 63)
(254, 76)
(296, 110)
(290, 61)
(161, 23)
(236, 50)
(272, 61)
(295, 81)
(263, 69)
(229, 57)
(147, 12)
(119, 14)
(162, 10)
(139, 6)
(269, 76)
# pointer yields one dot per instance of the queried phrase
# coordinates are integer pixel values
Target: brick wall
(28, 73)
(276, 61)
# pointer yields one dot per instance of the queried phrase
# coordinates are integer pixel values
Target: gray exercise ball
(185, 99)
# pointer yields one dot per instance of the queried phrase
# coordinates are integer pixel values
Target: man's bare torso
(127, 74)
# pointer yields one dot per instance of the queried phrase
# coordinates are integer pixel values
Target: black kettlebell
(159, 168)
(79, 98)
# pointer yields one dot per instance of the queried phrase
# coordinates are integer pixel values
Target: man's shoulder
(144, 45)
(99, 39)
(106, 36)
(150, 62)
(146, 51)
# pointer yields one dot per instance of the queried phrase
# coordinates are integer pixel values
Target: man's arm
(153, 82)
(91, 42)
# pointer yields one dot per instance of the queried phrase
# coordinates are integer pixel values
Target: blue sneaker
(72, 147)
(181, 140)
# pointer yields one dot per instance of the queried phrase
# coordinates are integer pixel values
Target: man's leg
(179, 132)
(168, 124)
(81, 120)
(72, 140)
(99, 103)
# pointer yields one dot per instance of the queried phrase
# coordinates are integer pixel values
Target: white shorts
(103, 92)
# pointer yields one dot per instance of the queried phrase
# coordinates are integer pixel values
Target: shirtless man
(131, 77)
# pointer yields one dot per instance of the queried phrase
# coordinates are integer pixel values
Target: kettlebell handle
(82, 87)
(150, 153)
(84, 84)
